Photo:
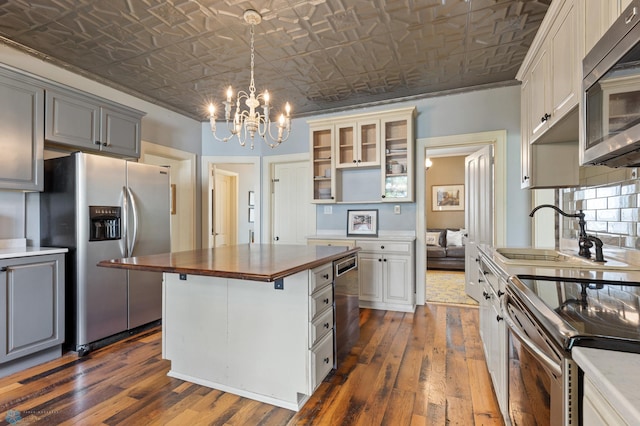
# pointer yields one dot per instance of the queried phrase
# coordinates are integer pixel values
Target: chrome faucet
(584, 241)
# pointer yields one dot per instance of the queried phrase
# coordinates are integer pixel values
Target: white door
(478, 214)
(225, 208)
(291, 203)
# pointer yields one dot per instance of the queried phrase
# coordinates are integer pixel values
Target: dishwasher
(347, 306)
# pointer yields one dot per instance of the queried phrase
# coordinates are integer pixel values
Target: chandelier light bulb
(248, 122)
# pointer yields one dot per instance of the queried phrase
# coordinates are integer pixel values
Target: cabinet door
(32, 302)
(539, 112)
(346, 151)
(21, 111)
(322, 164)
(368, 151)
(397, 279)
(525, 166)
(566, 67)
(397, 169)
(72, 120)
(370, 276)
(120, 133)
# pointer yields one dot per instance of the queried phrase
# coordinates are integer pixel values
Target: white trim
(496, 138)
(269, 163)
(207, 166)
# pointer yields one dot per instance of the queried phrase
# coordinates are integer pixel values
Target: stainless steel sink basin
(555, 259)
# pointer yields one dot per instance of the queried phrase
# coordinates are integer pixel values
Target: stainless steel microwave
(611, 95)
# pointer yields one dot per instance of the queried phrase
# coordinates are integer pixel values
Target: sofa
(443, 254)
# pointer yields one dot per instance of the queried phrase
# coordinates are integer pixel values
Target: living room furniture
(443, 254)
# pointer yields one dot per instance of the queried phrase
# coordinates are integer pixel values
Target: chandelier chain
(252, 86)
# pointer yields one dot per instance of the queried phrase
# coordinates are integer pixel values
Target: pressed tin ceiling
(318, 54)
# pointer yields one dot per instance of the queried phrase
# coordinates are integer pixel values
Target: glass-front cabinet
(357, 144)
(322, 164)
(344, 149)
(397, 150)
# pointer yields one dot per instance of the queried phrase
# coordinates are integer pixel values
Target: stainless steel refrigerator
(104, 208)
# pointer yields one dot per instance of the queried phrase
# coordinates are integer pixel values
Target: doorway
(224, 211)
(470, 141)
(183, 176)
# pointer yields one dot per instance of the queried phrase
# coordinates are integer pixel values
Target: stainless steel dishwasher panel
(347, 310)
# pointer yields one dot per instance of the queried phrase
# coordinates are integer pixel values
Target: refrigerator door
(148, 185)
(101, 304)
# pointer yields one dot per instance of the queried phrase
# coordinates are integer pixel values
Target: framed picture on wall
(362, 222)
(447, 197)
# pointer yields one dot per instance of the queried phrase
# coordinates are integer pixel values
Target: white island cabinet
(255, 320)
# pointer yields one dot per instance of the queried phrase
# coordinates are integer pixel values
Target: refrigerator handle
(124, 223)
(134, 209)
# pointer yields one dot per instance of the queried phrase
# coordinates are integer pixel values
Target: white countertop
(615, 374)
(17, 247)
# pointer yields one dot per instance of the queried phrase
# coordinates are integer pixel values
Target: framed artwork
(362, 222)
(252, 217)
(447, 197)
(252, 198)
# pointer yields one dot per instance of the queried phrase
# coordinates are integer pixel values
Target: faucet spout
(584, 242)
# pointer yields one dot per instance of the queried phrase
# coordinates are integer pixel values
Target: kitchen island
(255, 320)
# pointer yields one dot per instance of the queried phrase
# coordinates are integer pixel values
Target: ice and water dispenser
(104, 222)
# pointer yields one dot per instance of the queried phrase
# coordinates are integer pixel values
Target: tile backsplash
(610, 199)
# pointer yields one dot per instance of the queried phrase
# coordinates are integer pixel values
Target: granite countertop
(17, 247)
(615, 374)
(256, 262)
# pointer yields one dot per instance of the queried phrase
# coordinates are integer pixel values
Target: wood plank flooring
(425, 368)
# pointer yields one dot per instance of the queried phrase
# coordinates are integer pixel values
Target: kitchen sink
(556, 259)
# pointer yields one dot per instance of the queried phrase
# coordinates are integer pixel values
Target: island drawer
(320, 276)
(320, 326)
(320, 301)
(321, 360)
(385, 246)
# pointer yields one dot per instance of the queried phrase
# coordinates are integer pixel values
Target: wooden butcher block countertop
(256, 262)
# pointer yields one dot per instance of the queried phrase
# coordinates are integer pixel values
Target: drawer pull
(326, 325)
(325, 276)
(326, 301)
(326, 360)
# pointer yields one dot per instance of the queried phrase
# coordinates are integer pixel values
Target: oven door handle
(535, 350)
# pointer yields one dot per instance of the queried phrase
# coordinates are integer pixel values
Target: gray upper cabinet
(21, 132)
(91, 124)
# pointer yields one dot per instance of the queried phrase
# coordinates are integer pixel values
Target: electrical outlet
(396, 209)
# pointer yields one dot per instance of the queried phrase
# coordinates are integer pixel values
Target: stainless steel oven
(542, 379)
(546, 317)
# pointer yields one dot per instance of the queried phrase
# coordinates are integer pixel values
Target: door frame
(149, 148)
(498, 139)
(233, 205)
(268, 173)
(207, 168)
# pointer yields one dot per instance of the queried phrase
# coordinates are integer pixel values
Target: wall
(19, 214)
(444, 171)
(610, 199)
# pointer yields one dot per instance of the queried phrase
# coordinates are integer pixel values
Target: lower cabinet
(386, 272)
(596, 409)
(32, 309)
(493, 330)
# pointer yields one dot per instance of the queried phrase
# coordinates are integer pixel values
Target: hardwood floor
(425, 368)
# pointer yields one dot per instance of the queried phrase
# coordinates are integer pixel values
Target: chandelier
(247, 122)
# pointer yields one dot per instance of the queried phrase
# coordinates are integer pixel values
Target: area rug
(447, 287)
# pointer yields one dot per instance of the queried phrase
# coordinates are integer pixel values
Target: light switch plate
(396, 209)
(328, 209)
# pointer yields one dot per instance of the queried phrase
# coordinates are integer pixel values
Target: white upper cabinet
(357, 143)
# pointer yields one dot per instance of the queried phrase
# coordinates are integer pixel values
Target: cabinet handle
(326, 301)
(480, 280)
(384, 196)
(326, 360)
(3, 269)
(98, 143)
(632, 15)
(525, 178)
(382, 247)
(486, 295)
(499, 318)
(354, 161)
(545, 117)
(500, 293)
(325, 276)
(384, 260)
(380, 260)
(276, 239)
(477, 259)
(326, 325)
